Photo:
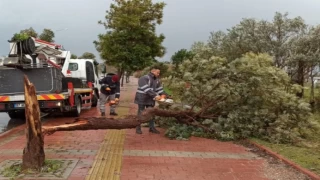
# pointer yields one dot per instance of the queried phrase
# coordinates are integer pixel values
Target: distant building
(1, 61)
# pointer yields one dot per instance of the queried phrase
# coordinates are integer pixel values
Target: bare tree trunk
(122, 79)
(33, 153)
(312, 90)
(300, 77)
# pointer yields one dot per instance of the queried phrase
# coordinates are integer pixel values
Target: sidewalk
(122, 154)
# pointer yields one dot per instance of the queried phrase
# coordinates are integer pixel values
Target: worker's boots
(113, 114)
(138, 130)
(154, 130)
(103, 114)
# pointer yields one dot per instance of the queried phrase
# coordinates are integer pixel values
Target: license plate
(19, 105)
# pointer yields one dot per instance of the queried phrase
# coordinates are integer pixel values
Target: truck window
(73, 66)
(90, 72)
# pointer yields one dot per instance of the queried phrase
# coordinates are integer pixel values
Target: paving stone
(187, 154)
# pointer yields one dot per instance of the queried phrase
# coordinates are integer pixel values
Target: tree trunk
(33, 153)
(122, 79)
(312, 101)
(94, 123)
(300, 77)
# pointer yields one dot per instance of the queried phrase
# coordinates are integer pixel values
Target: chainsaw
(164, 101)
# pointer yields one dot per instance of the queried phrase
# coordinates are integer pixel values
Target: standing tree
(30, 32)
(47, 35)
(73, 56)
(180, 56)
(131, 42)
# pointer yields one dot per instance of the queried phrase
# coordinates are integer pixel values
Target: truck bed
(45, 80)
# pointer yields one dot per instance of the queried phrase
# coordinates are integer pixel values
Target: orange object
(108, 89)
(157, 98)
(112, 102)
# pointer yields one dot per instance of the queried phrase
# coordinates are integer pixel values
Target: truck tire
(17, 115)
(95, 98)
(94, 101)
(77, 109)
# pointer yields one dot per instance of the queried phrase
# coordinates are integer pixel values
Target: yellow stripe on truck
(51, 97)
(4, 98)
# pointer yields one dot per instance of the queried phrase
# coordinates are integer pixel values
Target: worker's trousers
(143, 107)
(104, 99)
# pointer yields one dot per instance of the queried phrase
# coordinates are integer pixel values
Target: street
(6, 123)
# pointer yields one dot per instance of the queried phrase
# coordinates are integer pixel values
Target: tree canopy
(246, 97)
(291, 42)
(131, 41)
(46, 35)
(73, 56)
(180, 56)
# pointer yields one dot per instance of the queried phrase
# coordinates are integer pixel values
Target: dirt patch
(274, 168)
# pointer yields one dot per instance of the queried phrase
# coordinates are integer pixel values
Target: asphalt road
(6, 123)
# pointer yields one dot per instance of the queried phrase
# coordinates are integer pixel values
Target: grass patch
(15, 170)
(306, 154)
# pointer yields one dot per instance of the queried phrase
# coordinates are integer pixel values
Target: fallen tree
(229, 100)
(247, 97)
(93, 123)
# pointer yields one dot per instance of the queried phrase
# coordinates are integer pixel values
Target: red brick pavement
(73, 140)
(180, 168)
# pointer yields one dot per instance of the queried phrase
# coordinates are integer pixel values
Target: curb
(310, 174)
(12, 131)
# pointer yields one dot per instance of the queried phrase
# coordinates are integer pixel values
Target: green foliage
(165, 69)
(73, 56)
(20, 37)
(258, 36)
(247, 97)
(306, 156)
(180, 56)
(47, 35)
(51, 166)
(87, 55)
(131, 41)
(30, 31)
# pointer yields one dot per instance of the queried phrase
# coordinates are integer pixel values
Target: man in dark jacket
(149, 89)
(110, 91)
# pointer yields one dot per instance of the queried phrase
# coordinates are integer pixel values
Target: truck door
(90, 72)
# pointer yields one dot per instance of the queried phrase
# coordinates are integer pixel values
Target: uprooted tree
(230, 100)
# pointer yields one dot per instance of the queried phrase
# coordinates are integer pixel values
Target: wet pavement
(6, 123)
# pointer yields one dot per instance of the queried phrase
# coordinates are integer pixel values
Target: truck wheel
(95, 98)
(94, 101)
(76, 112)
(17, 115)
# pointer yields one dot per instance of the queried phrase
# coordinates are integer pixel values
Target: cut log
(33, 153)
(128, 122)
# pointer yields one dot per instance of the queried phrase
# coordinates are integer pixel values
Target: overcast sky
(185, 21)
